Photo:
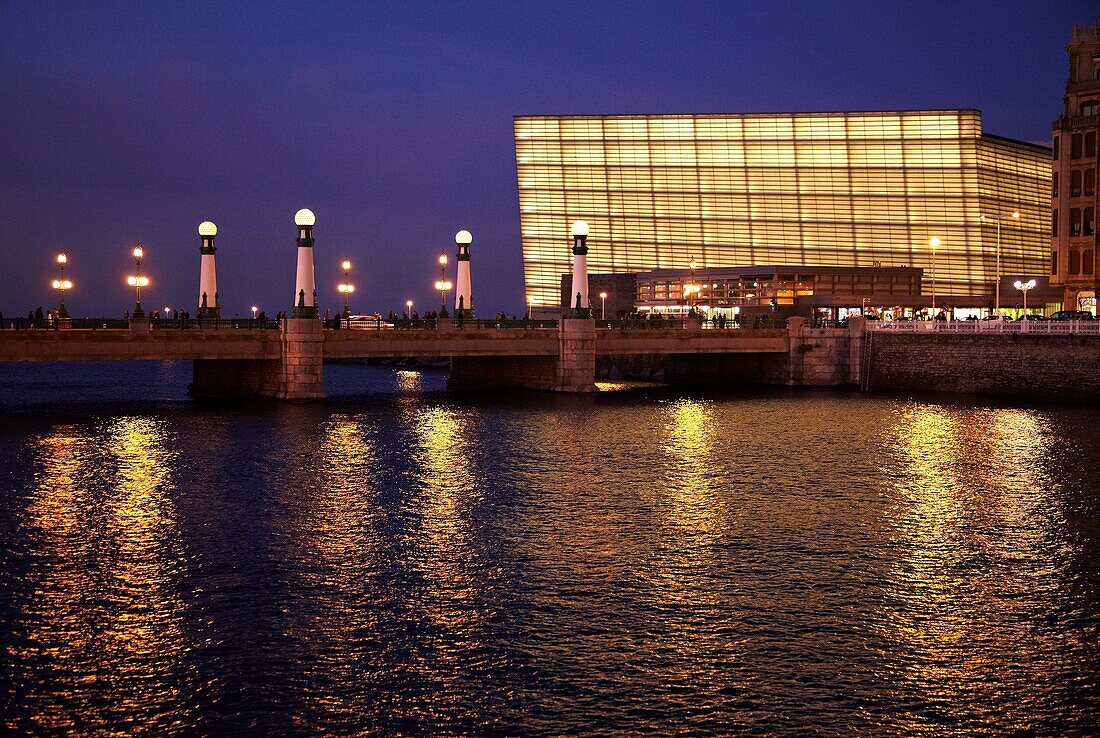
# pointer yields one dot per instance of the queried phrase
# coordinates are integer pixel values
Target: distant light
(464, 238)
(61, 258)
(346, 264)
(66, 284)
(443, 260)
(254, 308)
(207, 228)
(580, 228)
(132, 281)
(57, 284)
(1016, 214)
(304, 217)
(933, 242)
(138, 252)
(603, 295)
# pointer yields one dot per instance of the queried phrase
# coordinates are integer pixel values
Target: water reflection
(974, 526)
(106, 589)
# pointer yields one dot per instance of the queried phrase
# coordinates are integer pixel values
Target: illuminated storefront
(828, 189)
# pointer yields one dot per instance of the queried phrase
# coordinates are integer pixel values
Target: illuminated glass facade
(835, 189)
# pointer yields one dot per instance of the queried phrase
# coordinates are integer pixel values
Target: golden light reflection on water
(336, 543)
(974, 505)
(691, 480)
(107, 589)
(447, 482)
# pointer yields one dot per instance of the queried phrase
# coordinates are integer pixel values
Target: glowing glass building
(829, 189)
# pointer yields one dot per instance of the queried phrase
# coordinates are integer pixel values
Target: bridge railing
(681, 323)
(382, 324)
(1038, 327)
(94, 324)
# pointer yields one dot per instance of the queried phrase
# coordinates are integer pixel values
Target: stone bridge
(287, 362)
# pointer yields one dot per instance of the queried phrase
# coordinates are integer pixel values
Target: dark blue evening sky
(392, 121)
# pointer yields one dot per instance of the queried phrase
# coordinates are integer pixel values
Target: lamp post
(61, 284)
(1014, 215)
(579, 307)
(464, 296)
(443, 279)
(934, 243)
(1024, 287)
(603, 306)
(692, 288)
(443, 286)
(347, 288)
(409, 308)
(305, 284)
(254, 311)
(137, 281)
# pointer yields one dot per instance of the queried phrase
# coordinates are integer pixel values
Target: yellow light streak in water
(337, 541)
(108, 598)
(971, 505)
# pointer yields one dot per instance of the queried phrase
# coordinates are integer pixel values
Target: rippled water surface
(399, 560)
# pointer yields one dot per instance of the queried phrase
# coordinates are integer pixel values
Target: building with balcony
(839, 189)
(1074, 237)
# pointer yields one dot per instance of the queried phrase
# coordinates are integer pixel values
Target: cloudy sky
(392, 121)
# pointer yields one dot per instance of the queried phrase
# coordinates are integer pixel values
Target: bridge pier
(301, 360)
(576, 365)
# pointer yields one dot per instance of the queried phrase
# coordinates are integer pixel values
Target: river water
(400, 560)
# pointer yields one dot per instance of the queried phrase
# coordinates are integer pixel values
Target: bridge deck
(231, 343)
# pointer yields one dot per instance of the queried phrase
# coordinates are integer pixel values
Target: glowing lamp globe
(138, 252)
(304, 218)
(580, 228)
(131, 281)
(207, 228)
(61, 258)
(57, 284)
(464, 238)
(346, 264)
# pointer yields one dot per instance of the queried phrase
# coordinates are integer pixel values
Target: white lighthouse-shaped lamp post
(209, 305)
(578, 302)
(305, 288)
(464, 297)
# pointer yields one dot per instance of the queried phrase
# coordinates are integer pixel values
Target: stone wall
(303, 343)
(1063, 367)
(576, 365)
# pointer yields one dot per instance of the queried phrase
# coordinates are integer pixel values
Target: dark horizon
(394, 124)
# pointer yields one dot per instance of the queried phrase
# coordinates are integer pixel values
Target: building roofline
(1017, 142)
(753, 115)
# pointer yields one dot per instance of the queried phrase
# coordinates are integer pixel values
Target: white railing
(1040, 327)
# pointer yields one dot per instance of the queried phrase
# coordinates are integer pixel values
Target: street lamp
(1014, 215)
(1024, 287)
(137, 281)
(409, 307)
(347, 287)
(603, 306)
(443, 279)
(254, 311)
(61, 285)
(443, 286)
(934, 243)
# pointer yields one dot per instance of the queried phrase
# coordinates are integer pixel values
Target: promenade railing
(94, 324)
(1037, 327)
